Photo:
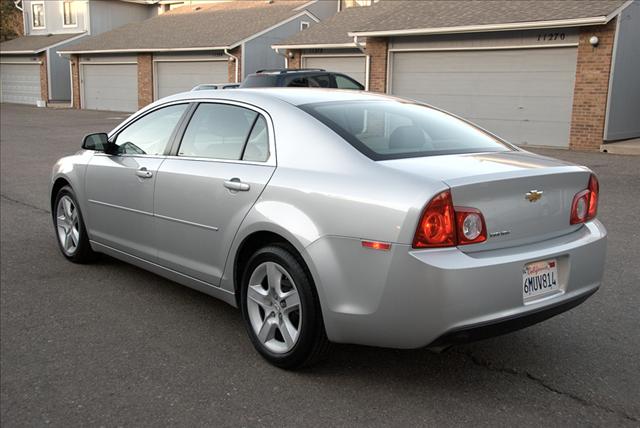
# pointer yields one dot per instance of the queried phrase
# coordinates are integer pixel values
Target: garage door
(175, 77)
(20, 83)
(524, 95)
(110, 87)
(352, 66)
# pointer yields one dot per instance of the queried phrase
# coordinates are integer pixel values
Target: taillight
(437, 224)
(584, 206)
(442, 225)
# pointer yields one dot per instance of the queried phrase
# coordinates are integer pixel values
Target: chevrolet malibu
(335, 216)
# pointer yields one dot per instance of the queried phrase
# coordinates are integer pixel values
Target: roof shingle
(401, 15)
(33, 44)
(217, 25)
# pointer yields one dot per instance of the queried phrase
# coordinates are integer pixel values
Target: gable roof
(199, 27)
(34, 44)
(404, 17)
(334, 31)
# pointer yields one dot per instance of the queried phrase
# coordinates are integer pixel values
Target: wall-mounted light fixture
(594, 40)
(290, 54)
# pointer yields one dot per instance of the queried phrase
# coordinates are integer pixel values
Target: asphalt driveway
(109, 344)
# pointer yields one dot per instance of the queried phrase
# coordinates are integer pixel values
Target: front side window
(69, 14)
(37, 14)
(393, 130)
(296, 82)
(150, 134)
(222, 131)
(343, 82)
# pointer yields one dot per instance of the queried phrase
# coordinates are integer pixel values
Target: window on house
(304, 25)
(69, 13)
(37, 13)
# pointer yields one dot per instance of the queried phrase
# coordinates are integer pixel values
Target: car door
(120, 185)
(216, 172)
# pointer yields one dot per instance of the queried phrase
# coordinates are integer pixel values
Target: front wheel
(70, 230)
(281, 310)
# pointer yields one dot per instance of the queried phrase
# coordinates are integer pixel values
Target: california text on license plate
(539, 278)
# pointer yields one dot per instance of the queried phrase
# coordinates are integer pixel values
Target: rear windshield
(393, 130)
(260, 81)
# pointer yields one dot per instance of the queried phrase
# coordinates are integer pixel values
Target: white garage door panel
(111, 87)
(175, 77)
(352, 66)
(525, 95)
(20, 83)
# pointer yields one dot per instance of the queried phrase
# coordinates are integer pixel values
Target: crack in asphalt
(26, 204)
(488, 365)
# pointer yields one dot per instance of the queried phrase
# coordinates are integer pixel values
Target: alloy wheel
(273, 306)
(68, 224)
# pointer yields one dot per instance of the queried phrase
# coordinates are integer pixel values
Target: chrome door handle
(144, 173)
(237, 185)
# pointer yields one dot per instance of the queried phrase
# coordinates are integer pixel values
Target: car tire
(286, 336)
(68, 223)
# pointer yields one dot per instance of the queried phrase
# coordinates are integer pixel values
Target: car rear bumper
(405, 298)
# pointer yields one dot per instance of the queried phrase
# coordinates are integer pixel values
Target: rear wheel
(70, 230)
(281, 310)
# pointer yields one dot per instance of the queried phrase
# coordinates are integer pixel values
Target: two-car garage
(111, 83)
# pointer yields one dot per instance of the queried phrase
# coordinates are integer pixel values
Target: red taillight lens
(584, 206)
(471, 227)
(442, 225)
(594, 189)
(437, 224)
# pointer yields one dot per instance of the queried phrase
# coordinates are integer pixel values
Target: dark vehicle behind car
(300, 78)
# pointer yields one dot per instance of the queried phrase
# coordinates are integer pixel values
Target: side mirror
(98, 142)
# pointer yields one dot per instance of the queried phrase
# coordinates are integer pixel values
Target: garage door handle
(237, 185)
(144, 173)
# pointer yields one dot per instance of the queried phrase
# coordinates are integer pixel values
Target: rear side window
(221, 131)
(343, 82)
(394, 130)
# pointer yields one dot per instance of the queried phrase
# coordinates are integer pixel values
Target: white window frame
(304, 25)
(74, 13)
(33, 15)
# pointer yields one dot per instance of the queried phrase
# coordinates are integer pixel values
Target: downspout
(235, 58)
(367, 59)
(286, 58)
(358, 45)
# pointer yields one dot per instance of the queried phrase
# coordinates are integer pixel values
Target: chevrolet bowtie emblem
(533, 195)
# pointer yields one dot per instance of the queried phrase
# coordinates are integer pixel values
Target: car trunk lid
(523, 197)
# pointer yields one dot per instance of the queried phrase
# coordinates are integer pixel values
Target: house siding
(54, 18)
(623, 109)
(107, 15)
(258, 53)
(592, 86)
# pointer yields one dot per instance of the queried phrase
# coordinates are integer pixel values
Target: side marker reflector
(375, 245)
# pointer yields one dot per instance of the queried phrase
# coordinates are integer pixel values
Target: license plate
(539, 278)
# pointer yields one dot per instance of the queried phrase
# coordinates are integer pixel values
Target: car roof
(294, 96)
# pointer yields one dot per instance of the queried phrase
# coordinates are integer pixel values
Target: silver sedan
(335, 216)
